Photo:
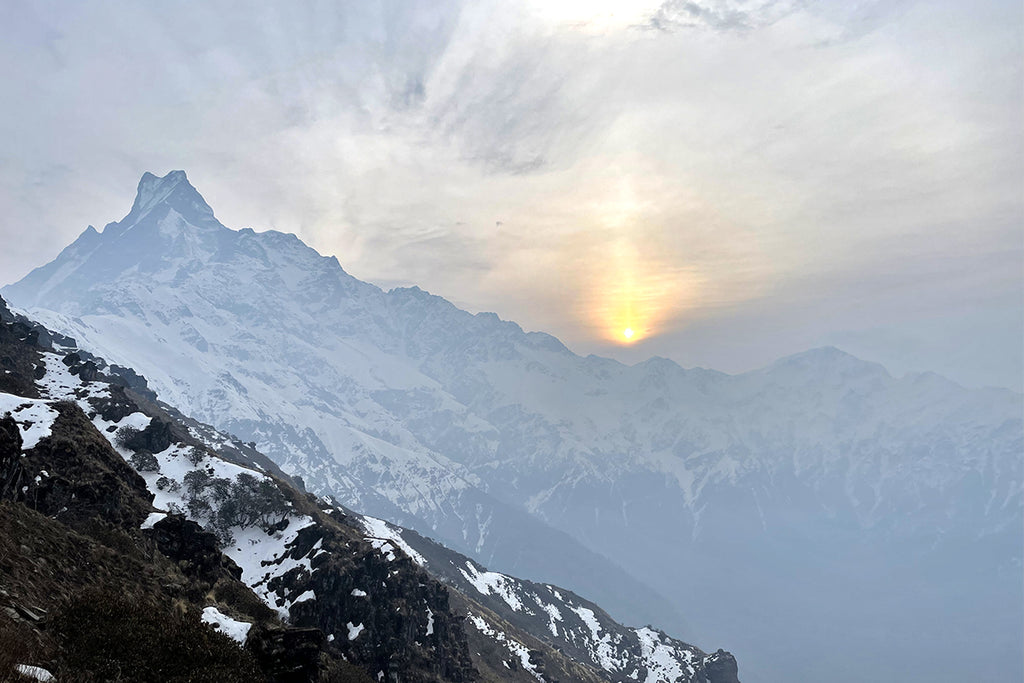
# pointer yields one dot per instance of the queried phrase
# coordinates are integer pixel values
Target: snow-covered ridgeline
(382, 535)
(581, 628)
(553, 615)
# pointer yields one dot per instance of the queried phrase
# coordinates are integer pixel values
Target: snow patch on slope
(518, 650)
(493, 583)
(663, 661)
(238, 631)
(380, 534)
(34, 417)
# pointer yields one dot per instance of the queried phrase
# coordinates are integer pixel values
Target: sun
(628, 333)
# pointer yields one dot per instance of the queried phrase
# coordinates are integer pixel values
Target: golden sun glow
(632, 283)
(633, 297)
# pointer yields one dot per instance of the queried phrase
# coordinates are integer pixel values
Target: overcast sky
(734, 181)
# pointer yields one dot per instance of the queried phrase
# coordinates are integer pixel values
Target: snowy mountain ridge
(466, 428)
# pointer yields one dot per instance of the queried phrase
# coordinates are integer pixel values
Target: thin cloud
(721, 15)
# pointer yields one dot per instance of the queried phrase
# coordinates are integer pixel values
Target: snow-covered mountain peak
(173, 190)
(826, 364)
(170, 237)
(660, 365)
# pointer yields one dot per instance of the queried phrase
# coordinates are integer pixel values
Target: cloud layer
(737, 181)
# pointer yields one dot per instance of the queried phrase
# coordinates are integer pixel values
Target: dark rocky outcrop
(87, 370)
(154, 438)
(132, 380)
(85, 481)
(399, 604)
(11, 470)
(32, 334)
(721, 667)
(19, 359)
(288, 655)
(194, 549)
(115, 405)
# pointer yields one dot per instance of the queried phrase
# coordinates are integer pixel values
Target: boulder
(154, 438)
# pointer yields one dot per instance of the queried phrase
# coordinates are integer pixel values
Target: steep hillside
(132, 526)
(560, 618)
(765, 502)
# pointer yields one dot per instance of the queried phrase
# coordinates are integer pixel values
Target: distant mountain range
(811, 514)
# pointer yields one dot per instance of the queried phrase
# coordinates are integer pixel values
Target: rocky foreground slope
(137, 544)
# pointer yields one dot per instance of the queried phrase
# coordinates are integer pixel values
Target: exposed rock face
(132, 380)
(288, 655)
(193, 548)
(87, 371)
(721, 667)
(407, 620)
(154, 438)
(115, 405)
(20, 358)
(85, 367)
(85, 479)
(11, 470)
